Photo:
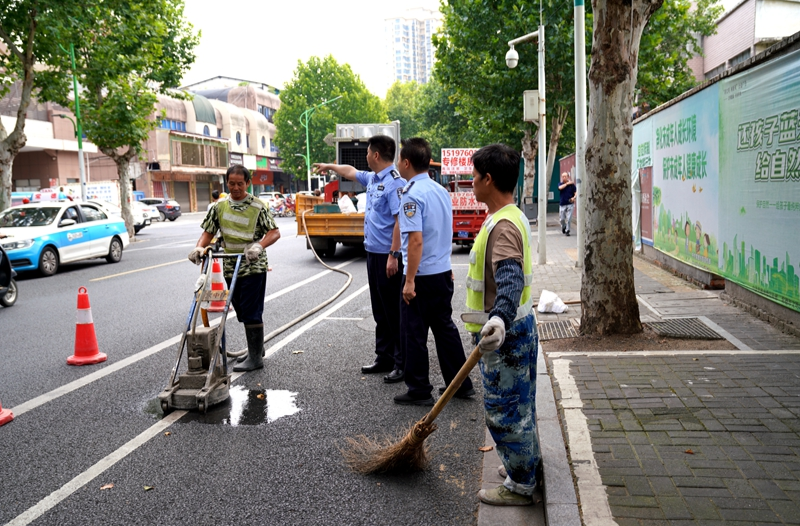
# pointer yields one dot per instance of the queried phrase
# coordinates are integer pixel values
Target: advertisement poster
(759, 196)
(457, 161)
(642, 157)
(685, 183)
(646, 183)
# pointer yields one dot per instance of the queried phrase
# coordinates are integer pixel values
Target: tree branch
(14, 49)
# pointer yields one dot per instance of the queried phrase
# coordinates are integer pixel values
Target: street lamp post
(512, 58)
(77, 121)
(304, 118)
(307, 164)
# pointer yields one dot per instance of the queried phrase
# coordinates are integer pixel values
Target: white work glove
(196, 255)
(252, 252)
(493, 335)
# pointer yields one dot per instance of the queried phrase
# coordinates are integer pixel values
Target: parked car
(140, 219)
(149, 211)
(167, 208)
(42, 236)
(273, 199)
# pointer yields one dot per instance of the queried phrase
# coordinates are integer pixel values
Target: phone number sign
(457, 160)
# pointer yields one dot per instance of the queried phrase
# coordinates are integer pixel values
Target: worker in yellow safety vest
(247, 228)
(503, 323)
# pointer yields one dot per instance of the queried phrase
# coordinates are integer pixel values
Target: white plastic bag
(346, 205)
(550, 302)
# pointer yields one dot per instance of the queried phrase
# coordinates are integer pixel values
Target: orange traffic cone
(217, 283)
(86, 351)
(6, 415)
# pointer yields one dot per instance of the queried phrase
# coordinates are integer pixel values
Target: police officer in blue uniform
(382, 243)
(426, 228)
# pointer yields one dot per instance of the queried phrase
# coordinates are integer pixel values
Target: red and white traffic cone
(217, 283)
(6, 415)
(86, 350)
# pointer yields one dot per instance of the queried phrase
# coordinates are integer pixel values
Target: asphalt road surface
(269, 456)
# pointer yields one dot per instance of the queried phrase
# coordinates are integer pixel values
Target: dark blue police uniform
(383, 204)
(425, 207)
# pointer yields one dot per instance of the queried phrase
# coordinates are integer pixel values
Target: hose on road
(319, 307)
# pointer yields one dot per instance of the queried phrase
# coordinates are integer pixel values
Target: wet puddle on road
(248, 407)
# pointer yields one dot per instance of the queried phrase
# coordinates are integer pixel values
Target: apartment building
(410, 53)
(746, 28)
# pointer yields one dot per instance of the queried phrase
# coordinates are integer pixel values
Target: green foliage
(131, 53)
(29, 31)
(667, 44)
(427, 111)
(471, 53)
(402, 102)
(471, 60)
(42, 21)
(315, 82)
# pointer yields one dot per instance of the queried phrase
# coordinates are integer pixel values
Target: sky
(262, 40)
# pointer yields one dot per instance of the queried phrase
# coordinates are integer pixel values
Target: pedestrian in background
(382, 243)
(247, 228)
(426, 227)
(567, 203)
(214, 199)
(499, 291)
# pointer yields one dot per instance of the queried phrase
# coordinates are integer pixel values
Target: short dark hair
(215, 194)
(238, 169)
(502, 162)
(416, 151)
(384, 145)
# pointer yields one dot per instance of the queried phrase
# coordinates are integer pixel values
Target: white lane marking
(664, 353)
(93, 377)
(114, 367)
(275, 348)
(591, 491)
(174, 244)
(50, 501)
(138, 270)
(344, 319)
(97, 469)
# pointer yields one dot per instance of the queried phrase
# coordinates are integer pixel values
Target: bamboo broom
(365, 455)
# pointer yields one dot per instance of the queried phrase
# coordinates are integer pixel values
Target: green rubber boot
(255, 349)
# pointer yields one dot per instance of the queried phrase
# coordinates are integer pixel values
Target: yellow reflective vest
(477, 263)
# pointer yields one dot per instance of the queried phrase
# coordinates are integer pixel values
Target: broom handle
(472, 360)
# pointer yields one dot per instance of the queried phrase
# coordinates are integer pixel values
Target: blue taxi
(42, 236)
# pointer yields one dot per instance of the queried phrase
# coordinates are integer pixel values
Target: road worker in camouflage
(247, 227)
(499, 292)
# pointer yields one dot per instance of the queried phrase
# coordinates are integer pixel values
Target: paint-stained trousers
(384, 295)
(509, 383)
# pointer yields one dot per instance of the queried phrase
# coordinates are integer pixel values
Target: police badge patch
(409, 209)
(400, 193)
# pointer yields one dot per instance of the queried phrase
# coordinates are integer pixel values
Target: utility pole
(580, 124)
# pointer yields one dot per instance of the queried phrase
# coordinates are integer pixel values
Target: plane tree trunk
(608, 295)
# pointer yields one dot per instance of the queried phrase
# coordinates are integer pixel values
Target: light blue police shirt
(383, 203)
(425, 207)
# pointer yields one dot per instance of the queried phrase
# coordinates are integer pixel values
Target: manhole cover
(556, 330)
(689, 328)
